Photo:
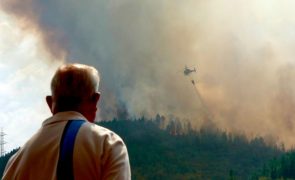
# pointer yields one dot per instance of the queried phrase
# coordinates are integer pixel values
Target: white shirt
(98, 153)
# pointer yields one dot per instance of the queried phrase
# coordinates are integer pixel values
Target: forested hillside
(279, 168)
(178, 152)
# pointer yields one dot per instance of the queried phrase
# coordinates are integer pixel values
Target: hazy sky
(24, 81)
(243, 52)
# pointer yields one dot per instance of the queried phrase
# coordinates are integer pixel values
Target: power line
(2, 142)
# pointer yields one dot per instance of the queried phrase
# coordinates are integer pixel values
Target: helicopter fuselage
(187, 71)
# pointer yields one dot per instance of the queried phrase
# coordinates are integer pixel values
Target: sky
(243, 52)
(24, 82)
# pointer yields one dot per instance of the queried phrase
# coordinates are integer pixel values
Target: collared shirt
(98, 153)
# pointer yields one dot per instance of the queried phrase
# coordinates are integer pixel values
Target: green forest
(176, 151)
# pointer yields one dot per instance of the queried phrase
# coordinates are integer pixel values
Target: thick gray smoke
(243, 53)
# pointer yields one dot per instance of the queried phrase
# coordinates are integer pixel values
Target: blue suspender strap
(65, 161)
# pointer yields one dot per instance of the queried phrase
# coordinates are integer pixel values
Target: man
(97, 152)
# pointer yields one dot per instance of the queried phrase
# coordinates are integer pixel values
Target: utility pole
(2, 142)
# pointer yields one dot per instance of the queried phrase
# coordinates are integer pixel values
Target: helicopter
(187, 71)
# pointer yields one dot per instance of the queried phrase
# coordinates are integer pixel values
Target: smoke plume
(243, 52)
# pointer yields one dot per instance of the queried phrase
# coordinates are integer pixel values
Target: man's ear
(96, 97)
(49, 103)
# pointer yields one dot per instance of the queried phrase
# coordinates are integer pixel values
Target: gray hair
(74, 82)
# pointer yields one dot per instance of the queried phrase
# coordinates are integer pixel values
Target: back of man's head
(73, 83)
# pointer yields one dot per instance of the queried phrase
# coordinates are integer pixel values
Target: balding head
(74, 81)
(73, 86)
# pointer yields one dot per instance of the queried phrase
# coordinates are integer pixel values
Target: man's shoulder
(98, 131)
